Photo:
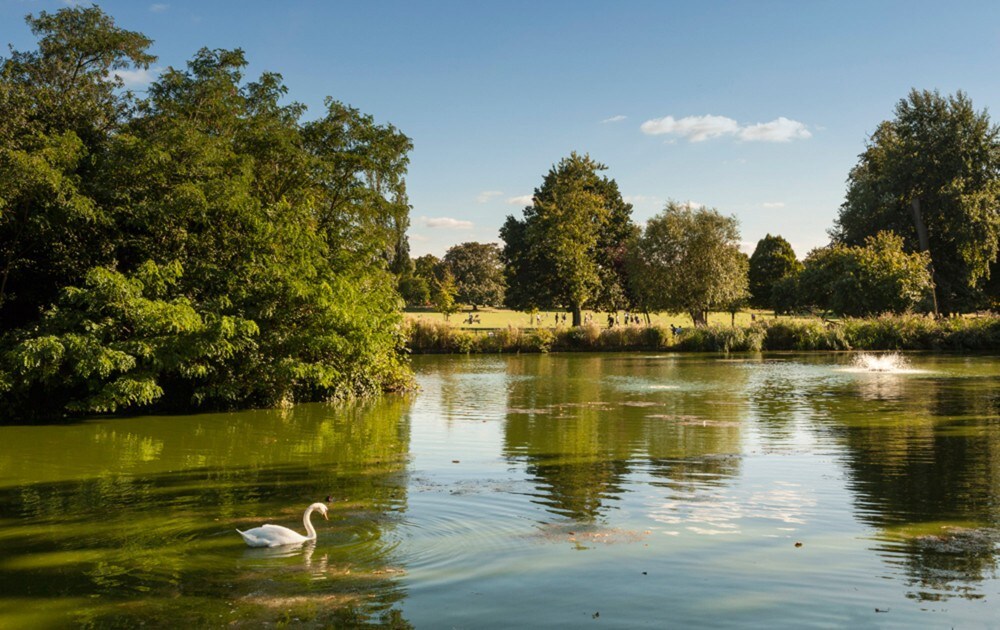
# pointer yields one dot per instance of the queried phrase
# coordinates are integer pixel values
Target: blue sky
(758, 109)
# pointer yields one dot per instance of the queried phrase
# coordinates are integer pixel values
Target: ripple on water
(453, 536)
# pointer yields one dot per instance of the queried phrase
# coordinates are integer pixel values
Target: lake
(563, 490)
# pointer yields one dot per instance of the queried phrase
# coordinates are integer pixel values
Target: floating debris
(604, 536)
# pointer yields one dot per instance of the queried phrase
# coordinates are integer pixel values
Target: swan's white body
(276, 535)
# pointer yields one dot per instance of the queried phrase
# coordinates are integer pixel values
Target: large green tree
(932, 175)
(772, 260)
(60, 105)
(688, 260)
(243, 253)
(478, 273)
(568, 249)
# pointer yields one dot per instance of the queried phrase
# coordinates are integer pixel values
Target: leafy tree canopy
(478, 273)
(203, 246)
(688, 260)
(932, 175)
(568, 249)
(772, 260)
(879, 277)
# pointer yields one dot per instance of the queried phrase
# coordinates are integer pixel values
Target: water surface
(564, 490)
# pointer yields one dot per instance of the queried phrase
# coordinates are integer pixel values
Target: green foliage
(785, 294)
(107, 345)
(772, 261)
(688, 261)
(943, 155)
(478, 273)
(443, 297)
(429, 267)
(804, 335)
(210, 250)
(723, 339)
(59, 109)
(567, 251)
(414, 290)
(887, 332)
(864, 281)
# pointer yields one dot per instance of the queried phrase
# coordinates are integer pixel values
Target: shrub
(804, 335)
(541, 339)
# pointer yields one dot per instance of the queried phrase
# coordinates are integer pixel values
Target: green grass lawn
(502, 318)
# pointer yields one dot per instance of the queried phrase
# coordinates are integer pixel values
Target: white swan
(276, 535)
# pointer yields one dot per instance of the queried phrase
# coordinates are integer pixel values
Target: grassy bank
(492, 318)
(910, 332)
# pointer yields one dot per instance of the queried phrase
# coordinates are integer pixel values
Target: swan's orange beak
(325, 516)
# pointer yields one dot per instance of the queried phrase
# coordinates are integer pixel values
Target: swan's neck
(307, 521)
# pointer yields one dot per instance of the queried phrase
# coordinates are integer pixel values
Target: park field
(492, 318)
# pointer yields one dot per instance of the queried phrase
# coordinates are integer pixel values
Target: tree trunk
(925, 246)
(577, 316)
(699, 318)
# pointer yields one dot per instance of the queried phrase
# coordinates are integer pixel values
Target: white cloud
(522, 200)
(487, 195)
(158, 7)
(138, 77)
(694, 128)
(778, 130)
(643, 200)
(691, 205)
(701, 128)
(773, 204)
(613, 119)
(446, 222)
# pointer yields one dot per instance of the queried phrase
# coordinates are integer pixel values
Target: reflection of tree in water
(145, 544)
(581, 436)
(778, 398)
(578, 490)
(471, 386)
(924, 463)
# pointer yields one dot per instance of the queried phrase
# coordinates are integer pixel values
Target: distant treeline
(906, 332)
(919, 231)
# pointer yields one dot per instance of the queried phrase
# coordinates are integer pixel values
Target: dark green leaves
(210, 250)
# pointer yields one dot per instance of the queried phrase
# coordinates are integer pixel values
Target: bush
(804, 335)
(723, 339)
(907, 332)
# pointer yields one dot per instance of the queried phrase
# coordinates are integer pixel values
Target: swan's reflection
(317, 566)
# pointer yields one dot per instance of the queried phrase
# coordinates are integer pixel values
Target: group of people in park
(629, 319)
(614, 319)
